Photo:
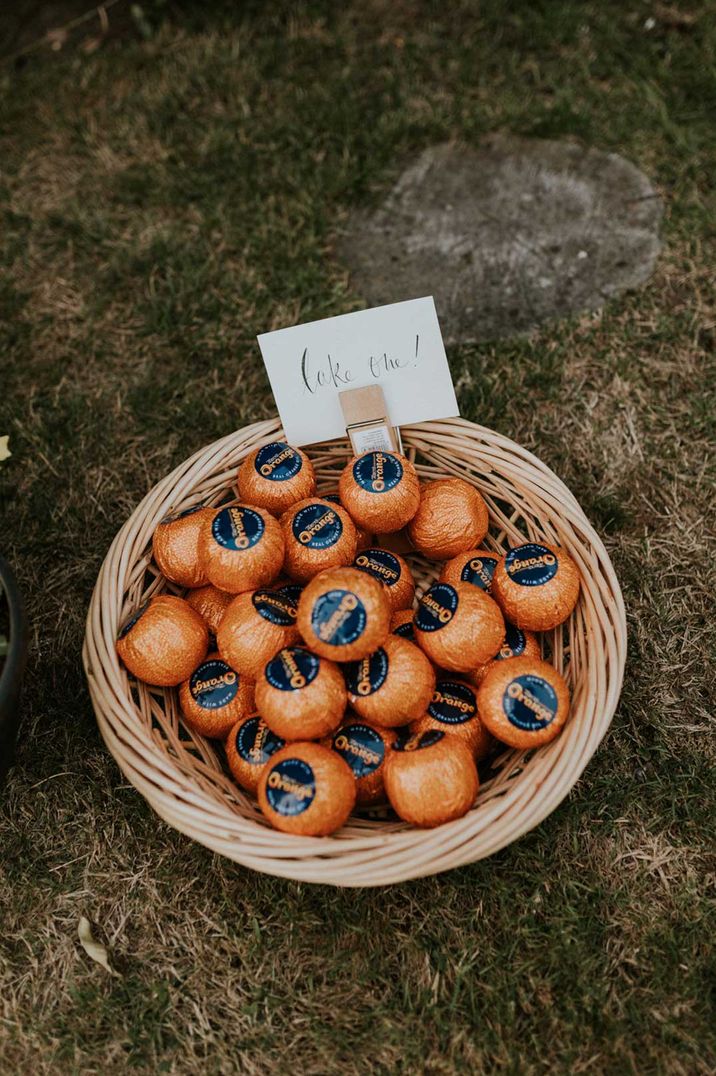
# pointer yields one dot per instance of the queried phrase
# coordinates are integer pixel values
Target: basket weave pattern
(182, 775)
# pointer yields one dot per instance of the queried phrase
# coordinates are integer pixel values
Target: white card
(398, 347)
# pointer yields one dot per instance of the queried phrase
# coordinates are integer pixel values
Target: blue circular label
(366, 676)
(255, 743)
(531, 564)
(405, 631)
(361, 747)
(292, 668)
(530, 702)
(417, 741)
(213, 684)
(453, 703)
(276, 606)
(290, 786)
(436, 608)
(237, 527)
(381, 564)
(479, 571)
(377, 472)
(334, 498)
(180, 515)
(317, 526)
(514, 644)
(277, 462)
(132, 620)
(338, 617)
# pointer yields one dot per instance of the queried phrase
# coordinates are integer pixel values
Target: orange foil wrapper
(215, 697)
(163, 641)
(458, 627)
(536, 586)
(344, 614)
(275, 476)
(300, 695)
(451, 519)
(430, 778)
(524, 702)
(256, 625)
(380, 490)
(392, 686)
(307, 789)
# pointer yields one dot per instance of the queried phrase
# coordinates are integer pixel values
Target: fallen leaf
(5, 452)
(94, 950)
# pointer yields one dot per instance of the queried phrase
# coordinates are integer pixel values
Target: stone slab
(506, 236)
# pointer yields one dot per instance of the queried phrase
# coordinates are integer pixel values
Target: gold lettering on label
(546, 559)
(313, 528)
(364, 684)
(336, 620)
(413, 743)
(295, 676)
(478, 567)
(444, 615)
(257, 749)
(343, 743)
(227, 678)
(389, 574)
(522, 694)
(271, 465)
(285, 784)
(452, 700)
(378, 468)
(241, 540)
(278, 603)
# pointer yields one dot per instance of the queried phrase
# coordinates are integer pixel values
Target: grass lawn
(164, 197)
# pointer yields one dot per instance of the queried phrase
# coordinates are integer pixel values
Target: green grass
(162, 200)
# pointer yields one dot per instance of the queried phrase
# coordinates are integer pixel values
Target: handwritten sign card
(398, 347)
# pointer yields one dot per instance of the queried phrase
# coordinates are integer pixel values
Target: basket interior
(514, 517)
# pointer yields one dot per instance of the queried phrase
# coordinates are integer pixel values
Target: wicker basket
(182, 775)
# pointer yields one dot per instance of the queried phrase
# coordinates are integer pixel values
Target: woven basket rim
(360, 854)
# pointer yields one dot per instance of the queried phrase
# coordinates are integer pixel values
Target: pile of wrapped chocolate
(299, 641)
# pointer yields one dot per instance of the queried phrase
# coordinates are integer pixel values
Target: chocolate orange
(381, 490)
(256, 625)
(458, 627)
(307, 789)
(343, 614)
(476, 566)
(300, 695)
(249, 746)
(163, 641)
(453, 709)
(452, 518)
(275, 476)
(215, 697)
(392, 571)
(175, 547)
(241, 548)
(391, 686)
(430, 778)
(365, 748)
(524, 702)
(317, 535)
(536, 586)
